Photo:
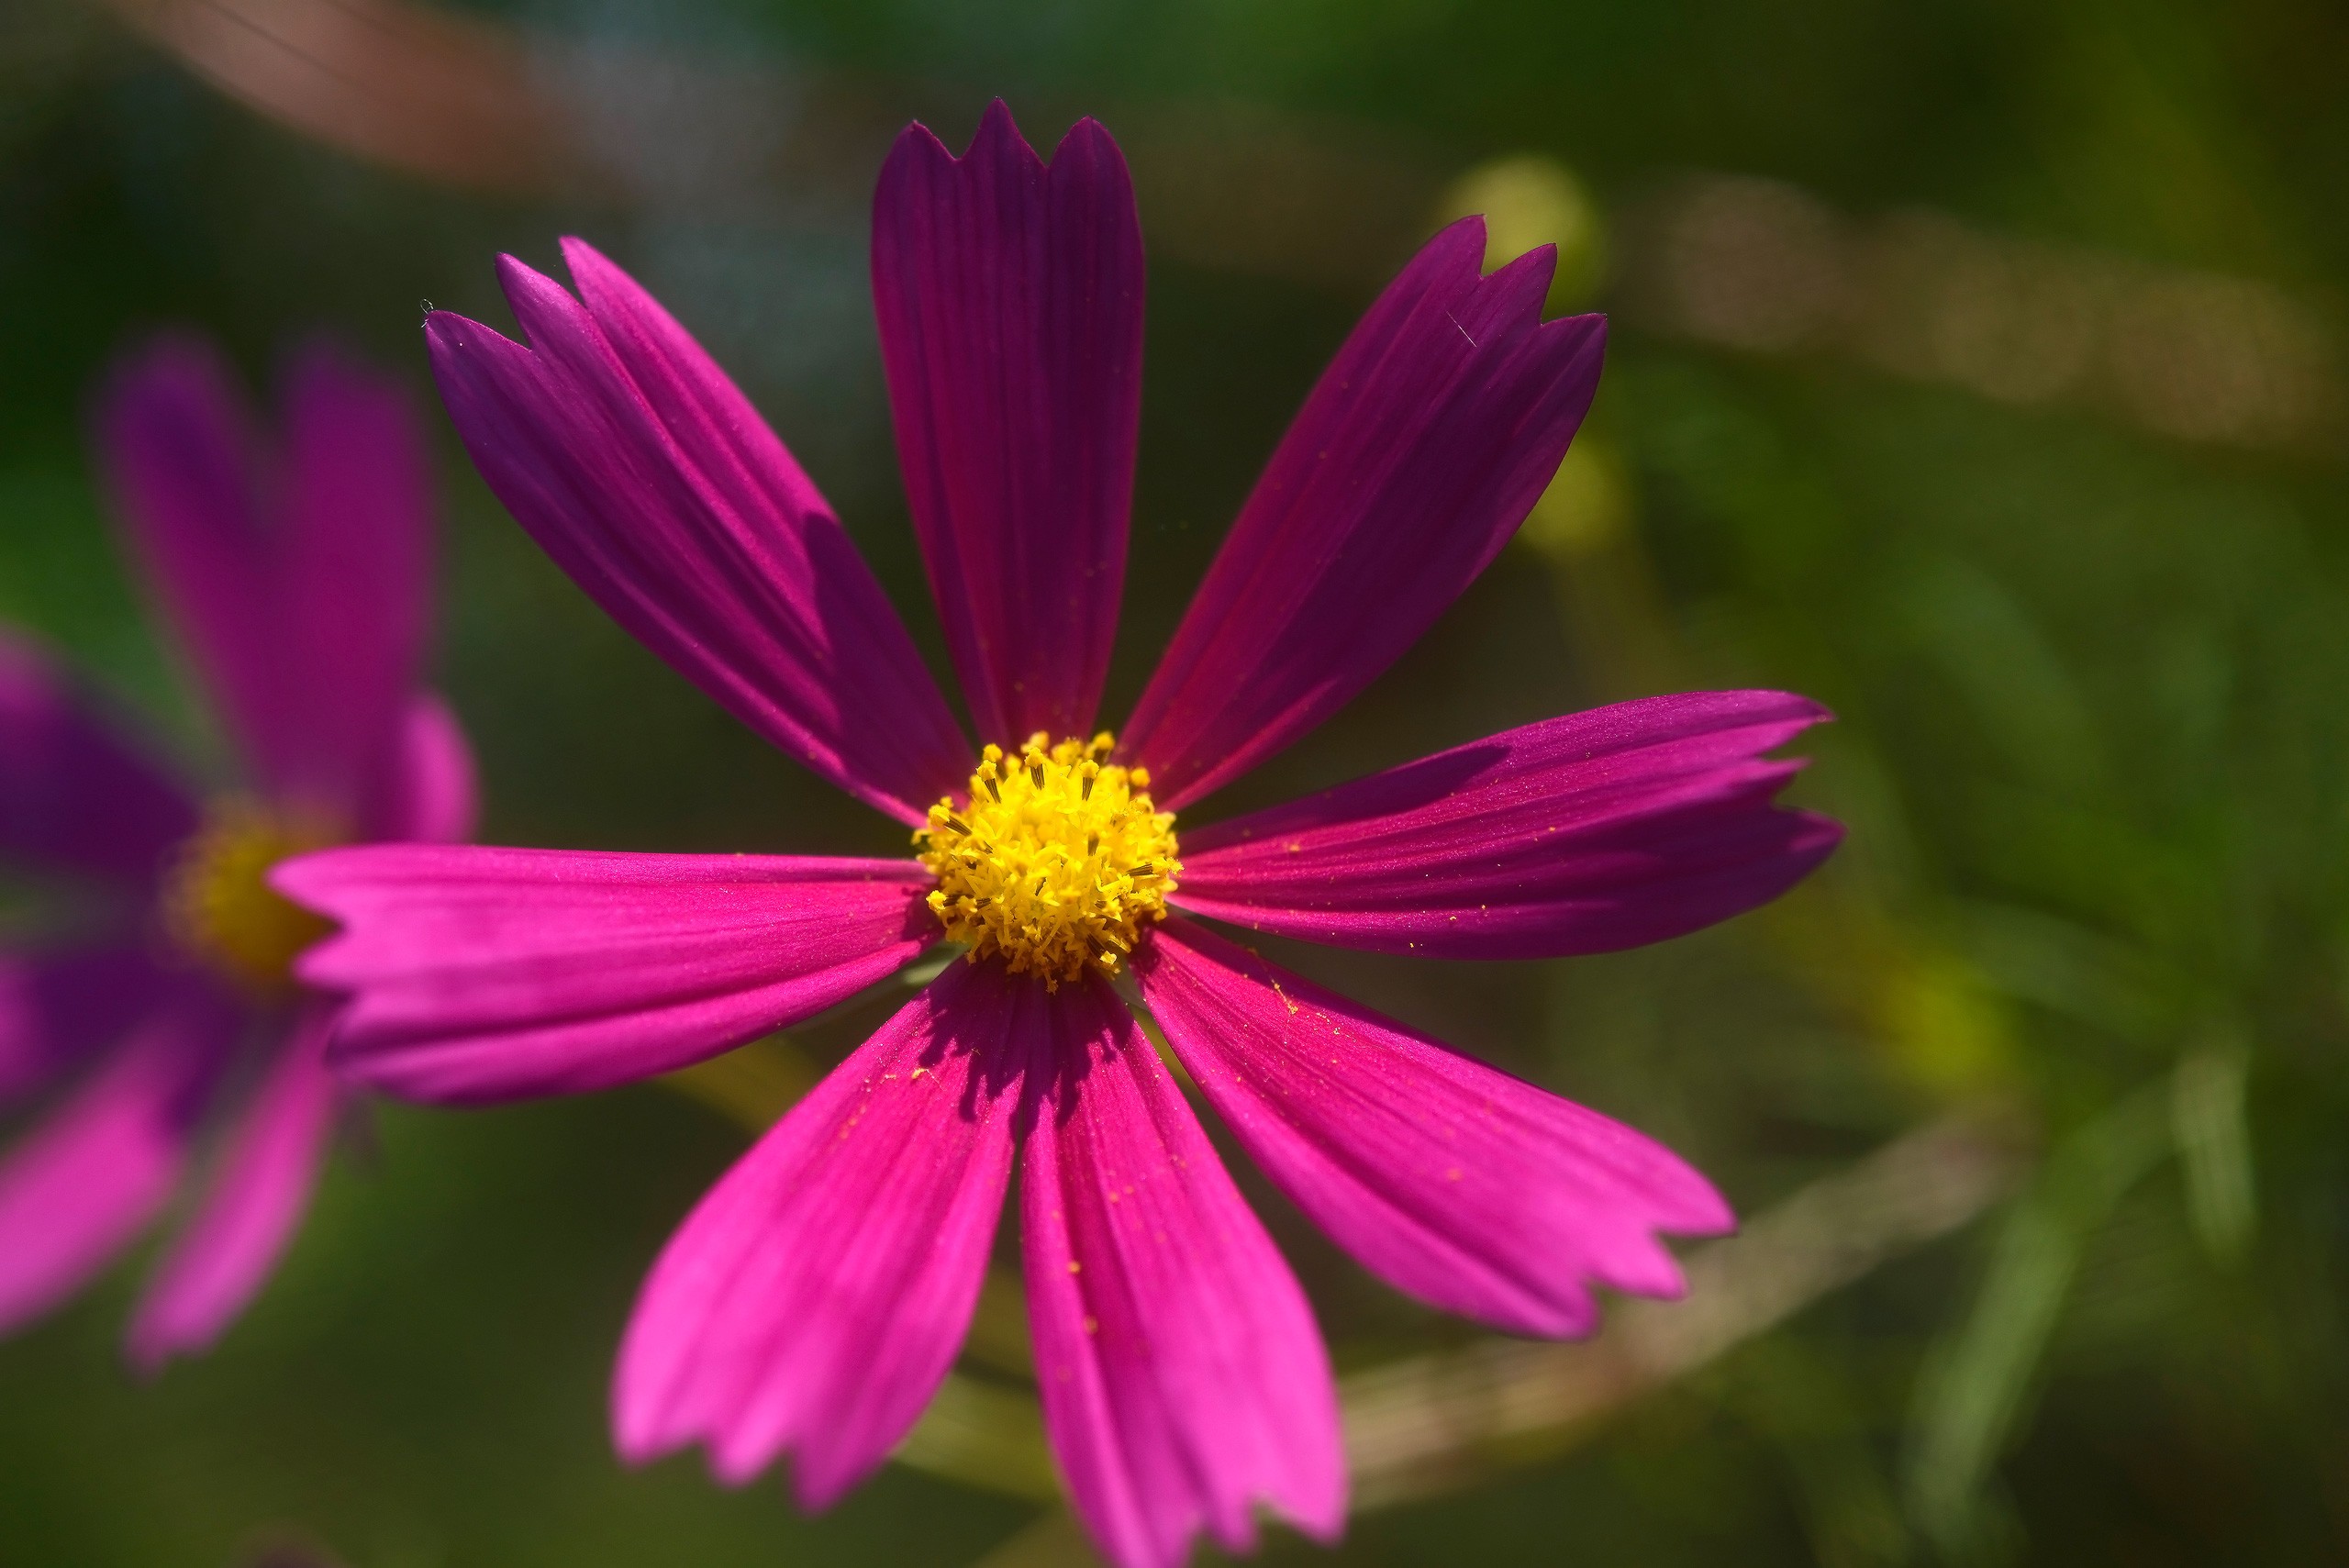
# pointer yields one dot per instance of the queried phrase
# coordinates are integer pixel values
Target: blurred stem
(2214, 1141)
(984, 1434)
(1051, 1539)
(999, 1337)
(1802, 1401)
(753, 1084)
(1973, 1388)
(1436, 1423)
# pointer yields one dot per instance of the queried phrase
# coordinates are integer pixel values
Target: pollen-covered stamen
(217, 907)
(1055, 861)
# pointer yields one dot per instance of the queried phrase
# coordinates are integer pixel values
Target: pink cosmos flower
(815, 1299)
(294, 573)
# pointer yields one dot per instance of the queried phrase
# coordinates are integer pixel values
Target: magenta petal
(1182, 1378)
(1446, 1178)
(814, 1300)
(640, 468)
(1599, 830)
(1419, 452)
(62, 1007)
(256, 1197)
(487, 974)
(355, 588)
(297, 582)
(73, 795)
(82, 1184)
(433, 797)
(1009, 300)
(189, 469)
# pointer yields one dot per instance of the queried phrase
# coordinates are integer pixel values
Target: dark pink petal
(61, 1007)
(434, 798)
(255, 1198)
(1599, 830)
(1456, 1182)
(191, 475)
(813, 1301)
(1420, 450)
(1184, 1381)
(355, 591)
(640, 468)
(296, 579)
(1009, 300)
(73, 795)
(488, 974)
(80, 1186)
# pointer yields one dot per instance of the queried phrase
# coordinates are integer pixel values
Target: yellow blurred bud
(1529, 200)
(1945, 1024)
(1586, 508)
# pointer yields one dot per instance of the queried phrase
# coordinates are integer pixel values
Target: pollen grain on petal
(1055, 861)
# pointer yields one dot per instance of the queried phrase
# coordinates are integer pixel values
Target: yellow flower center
(1056, 862)
(216, 907)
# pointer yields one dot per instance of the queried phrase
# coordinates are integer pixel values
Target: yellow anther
(217, 906)
(1012, 879)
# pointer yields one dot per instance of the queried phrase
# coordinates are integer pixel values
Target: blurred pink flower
(295, 575)
(817, 1296)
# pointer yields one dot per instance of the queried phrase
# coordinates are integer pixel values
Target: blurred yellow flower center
(1056, 862)
(217, 906)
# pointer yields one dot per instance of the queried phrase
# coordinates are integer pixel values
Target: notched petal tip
(1462, 239)
(997, 135)
(1531, 270)
(996, 126)
(915, 142)
(1087, 140)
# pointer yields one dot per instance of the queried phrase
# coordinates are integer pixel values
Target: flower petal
(1009, 299)
(434, 797)
(640, 468)
(488, 974)
(59, 1006)
(73, 795)
(1182, 1378)
(354, 591)
(256, 1197)
(814, 1300)
(189, 467)
(1446, 1178)
(82, 1185)
(299, 583)
(1605, 829)
(1419, 452)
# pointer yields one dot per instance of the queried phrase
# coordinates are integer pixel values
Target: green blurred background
(1973, 371)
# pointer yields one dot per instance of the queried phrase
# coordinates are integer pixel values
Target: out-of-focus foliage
(2094, 748)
